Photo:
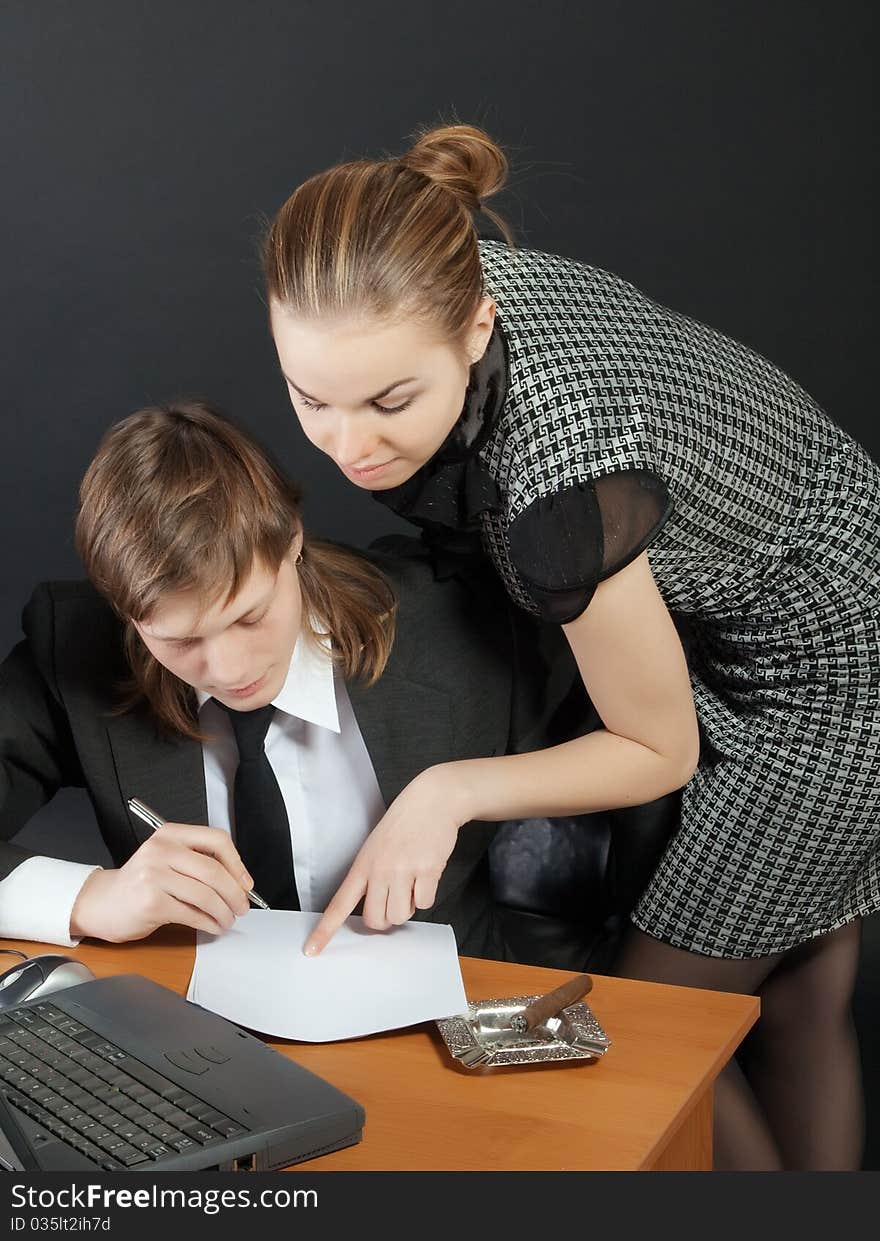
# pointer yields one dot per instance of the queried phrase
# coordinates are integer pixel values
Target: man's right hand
(191, 876)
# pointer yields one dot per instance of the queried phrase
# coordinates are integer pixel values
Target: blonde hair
(177, 498)
(390, 238)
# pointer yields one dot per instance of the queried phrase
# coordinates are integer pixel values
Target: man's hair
(176, 499)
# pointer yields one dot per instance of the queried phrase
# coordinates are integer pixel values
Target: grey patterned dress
(600, 423)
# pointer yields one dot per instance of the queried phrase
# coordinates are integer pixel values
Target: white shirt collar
(308, 691)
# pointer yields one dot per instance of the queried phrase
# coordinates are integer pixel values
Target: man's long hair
(177, 498)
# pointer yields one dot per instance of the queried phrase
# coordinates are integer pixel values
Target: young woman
(622, 464)
(228, 670)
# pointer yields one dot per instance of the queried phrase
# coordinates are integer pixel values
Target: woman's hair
(178, 499)
(390, 239)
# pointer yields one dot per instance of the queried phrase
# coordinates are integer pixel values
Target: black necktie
(262, 829)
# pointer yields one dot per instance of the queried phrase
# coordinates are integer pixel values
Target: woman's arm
(633, 667)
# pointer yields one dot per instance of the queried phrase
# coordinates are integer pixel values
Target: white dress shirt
(322, 767)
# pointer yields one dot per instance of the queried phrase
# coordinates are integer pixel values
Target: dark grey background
(719, 153)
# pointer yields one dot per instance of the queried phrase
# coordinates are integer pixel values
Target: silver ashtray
(482, 1037)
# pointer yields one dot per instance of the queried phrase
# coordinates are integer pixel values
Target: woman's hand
(191, 876)
(633, 667)
(400, 864)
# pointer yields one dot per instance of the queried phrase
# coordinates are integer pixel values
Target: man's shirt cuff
(37, 899)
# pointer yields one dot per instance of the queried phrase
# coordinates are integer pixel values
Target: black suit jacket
(457, 685)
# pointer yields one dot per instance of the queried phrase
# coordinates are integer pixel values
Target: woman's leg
(802, 1060)
(743, 1140)
(800, 1103)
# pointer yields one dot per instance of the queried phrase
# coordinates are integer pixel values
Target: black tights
(793, 1098)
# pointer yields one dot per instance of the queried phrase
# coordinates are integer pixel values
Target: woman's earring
(299, 558)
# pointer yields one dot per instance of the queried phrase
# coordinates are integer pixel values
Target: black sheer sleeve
(567, 542)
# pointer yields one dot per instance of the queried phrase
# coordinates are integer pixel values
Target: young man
(209, 616)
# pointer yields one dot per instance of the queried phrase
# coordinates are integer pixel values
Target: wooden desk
(647, 1104)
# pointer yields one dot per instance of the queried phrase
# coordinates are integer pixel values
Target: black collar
(455, 487)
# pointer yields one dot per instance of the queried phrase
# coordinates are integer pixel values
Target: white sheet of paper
(364, 981)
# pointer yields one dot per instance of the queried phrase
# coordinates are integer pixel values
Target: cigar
(549, 1005)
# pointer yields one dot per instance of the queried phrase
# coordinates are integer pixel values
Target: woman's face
(378, 398)
(238, 651)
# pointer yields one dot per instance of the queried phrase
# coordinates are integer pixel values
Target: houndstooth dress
(600, 423)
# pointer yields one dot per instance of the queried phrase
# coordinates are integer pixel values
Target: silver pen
(155, 821)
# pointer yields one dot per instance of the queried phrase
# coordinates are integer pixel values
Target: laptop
(121, 1074)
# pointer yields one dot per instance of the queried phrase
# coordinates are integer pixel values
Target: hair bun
(461, 158)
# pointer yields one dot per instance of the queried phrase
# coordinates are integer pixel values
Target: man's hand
(401, 861)
(191, 876)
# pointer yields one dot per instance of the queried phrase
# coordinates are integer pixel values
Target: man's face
(377, 398)
(238, 651)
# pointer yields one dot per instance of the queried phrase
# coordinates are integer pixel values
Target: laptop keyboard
(97, 1098)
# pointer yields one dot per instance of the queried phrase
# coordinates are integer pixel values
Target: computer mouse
(39, 977)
